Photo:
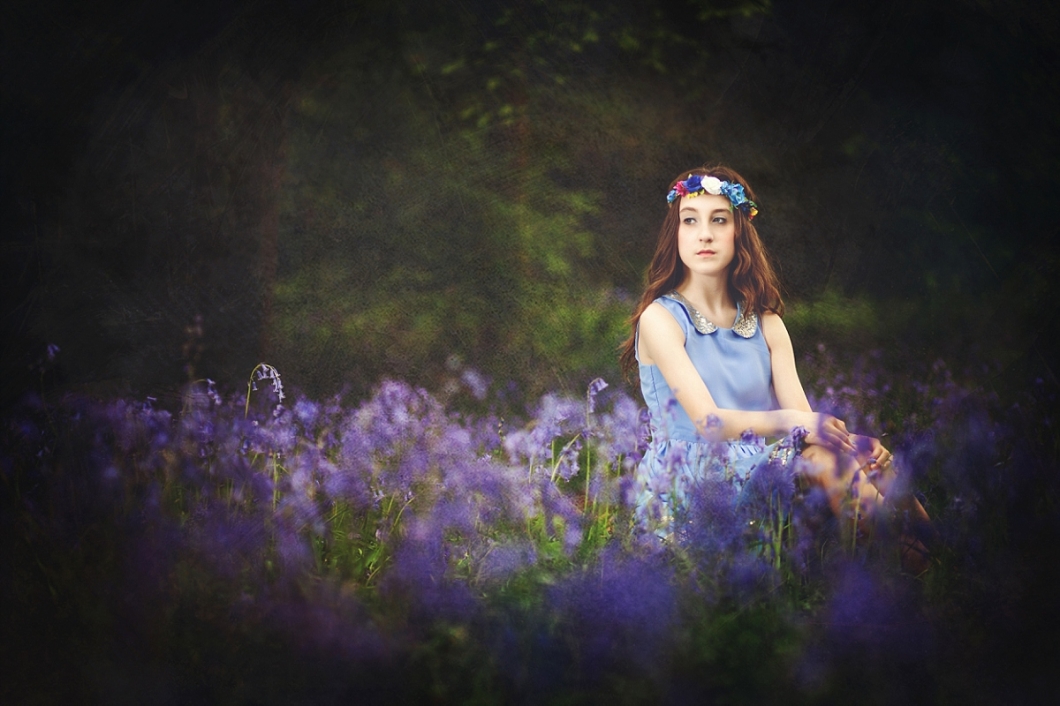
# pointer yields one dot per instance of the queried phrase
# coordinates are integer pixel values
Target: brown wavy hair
(751, 276)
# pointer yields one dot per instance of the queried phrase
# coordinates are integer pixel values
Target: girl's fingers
(879, 456)
(841, 439)
(832, 432)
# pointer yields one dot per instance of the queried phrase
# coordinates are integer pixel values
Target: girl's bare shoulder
(774, 330)
(657, 333)
(656, 318)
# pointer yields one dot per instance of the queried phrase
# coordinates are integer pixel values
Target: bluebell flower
(594, 389)
(501, 560)
(306, 412)
(617, 613)
(567, 463)
(621, 433)
(558, 419)
(211, 392)
(476, 383)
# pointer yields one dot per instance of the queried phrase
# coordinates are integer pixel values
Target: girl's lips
(705, 252)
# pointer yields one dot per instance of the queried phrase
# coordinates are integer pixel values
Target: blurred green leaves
(453, 251)
(438, 206)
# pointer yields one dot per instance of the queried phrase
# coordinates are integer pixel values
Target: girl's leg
(884, 480)
(843, 478)
(838, 475)
(916, 558)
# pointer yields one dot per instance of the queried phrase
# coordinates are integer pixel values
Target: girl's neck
(709, 294)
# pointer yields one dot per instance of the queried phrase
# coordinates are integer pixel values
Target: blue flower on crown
(734, 192)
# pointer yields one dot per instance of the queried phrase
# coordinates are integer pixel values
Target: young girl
(716, 363)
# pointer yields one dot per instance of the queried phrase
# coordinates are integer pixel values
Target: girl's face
(706, 235)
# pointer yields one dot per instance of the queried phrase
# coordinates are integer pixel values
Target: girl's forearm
(724, 424)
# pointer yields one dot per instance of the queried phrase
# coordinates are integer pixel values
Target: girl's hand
(872, 453)
(877, 462)
(826, 430)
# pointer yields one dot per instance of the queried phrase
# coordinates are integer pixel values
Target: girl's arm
(786, 383)
(788, 388)
(662, 343)
(790, 393)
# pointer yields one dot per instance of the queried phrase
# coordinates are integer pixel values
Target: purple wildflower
(618, 614)
(622, 433)
(557, 423)
(306, 412)
(476, 383)
(500, 561)
(595, 387)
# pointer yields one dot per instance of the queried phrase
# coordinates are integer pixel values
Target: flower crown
(695, 185)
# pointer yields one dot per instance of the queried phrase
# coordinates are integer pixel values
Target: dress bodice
(733, 362)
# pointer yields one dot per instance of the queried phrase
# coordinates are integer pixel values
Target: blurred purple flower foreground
(244, 551)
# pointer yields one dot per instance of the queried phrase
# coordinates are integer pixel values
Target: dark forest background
(351, 190)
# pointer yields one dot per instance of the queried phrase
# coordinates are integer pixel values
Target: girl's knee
(835, 474)
(819, 465)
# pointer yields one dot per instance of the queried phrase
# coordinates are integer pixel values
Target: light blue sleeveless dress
(735, 365)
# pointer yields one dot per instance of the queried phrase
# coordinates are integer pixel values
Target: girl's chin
(707, 269)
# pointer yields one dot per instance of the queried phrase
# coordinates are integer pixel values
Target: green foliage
(740, 654)
(834, 317)
(474, 257)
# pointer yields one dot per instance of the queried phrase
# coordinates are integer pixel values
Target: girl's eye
(690, 220)
(720, 219)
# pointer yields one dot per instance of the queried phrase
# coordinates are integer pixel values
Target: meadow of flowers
(448, 547)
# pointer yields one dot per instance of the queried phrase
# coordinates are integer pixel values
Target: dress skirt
(671, 468)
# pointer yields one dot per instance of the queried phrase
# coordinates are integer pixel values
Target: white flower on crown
(712, 185)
